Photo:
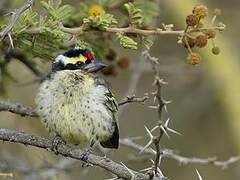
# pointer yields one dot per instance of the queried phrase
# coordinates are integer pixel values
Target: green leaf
(26, 20)
(127, 42)
(135, 14)
(150, 10)
(102, 22)
(61, 13)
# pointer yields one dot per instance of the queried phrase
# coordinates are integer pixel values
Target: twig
(158, 95)
(28, 111)
(6, 175)
(128, 30)
(71, 152)
(17, 108)
(14, 17)
(167, 153)
(131, 99)
(22, 58)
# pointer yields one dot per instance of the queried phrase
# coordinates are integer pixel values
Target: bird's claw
(55, 142)
(85, 154)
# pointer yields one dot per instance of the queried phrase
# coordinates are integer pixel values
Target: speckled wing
(112, 106)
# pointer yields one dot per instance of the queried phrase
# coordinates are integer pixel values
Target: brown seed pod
(201, 40)
(217, 12)
(191, 42)
(216, 50)
(123, 62)
(210, 33)
(192, 20)
(111, 55)
(110, 70)
(193, 58)
(201, 11)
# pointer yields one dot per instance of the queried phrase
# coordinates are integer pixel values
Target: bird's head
(77, 58)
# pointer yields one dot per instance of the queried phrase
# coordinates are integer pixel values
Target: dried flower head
(216, 50)
(193, 58)
(96, 10)
(217, 12)
(123, 62)
(192, 20)
(111, 55)
(210, 33)
(190, 41)
(201, 40)
(109, 70)
(201, 11)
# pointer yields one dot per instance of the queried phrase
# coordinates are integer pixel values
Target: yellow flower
(96, 10)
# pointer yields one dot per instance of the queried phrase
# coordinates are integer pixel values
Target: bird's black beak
(94, 66)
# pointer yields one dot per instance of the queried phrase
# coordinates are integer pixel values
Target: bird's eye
(79, 63)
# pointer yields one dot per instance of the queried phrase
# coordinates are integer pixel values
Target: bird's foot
(85, 154)
(55, 142)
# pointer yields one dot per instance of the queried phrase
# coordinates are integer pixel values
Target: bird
(76, 104)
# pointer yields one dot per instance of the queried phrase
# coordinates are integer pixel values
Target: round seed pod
(216, 50)
(123, 62)
(110, 70)
(217, 12)
(192, 20)
(201, 40)
(193, 58)
(111, 55)
(201, 11)
(191, 42)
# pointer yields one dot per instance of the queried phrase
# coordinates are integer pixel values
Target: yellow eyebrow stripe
(74, 60)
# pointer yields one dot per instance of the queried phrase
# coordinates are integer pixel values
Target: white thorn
(153, 129)
(146, 146)
(150, 141)
(166, 123)
(199, 175)
(149, 132)
(174, 131)
(153, 107)
(11, 41)
(164, 131)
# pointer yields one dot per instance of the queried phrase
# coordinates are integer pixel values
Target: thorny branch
(14, 17)
(70, 151)
(128, 30)
(166, 153)
(158, 95)
(171, 154)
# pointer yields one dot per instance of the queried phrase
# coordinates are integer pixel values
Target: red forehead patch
(89, 55)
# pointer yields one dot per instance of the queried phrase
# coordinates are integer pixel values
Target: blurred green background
(205, 104)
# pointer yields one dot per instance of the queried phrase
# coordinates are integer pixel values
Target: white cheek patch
(62, 58)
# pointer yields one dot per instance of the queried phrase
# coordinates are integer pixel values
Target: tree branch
(14, 17)
(17, 108)
(128, 30)
(131, 99)
(167, 153)
(28, 111)
(70, 151)
(12, 53)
